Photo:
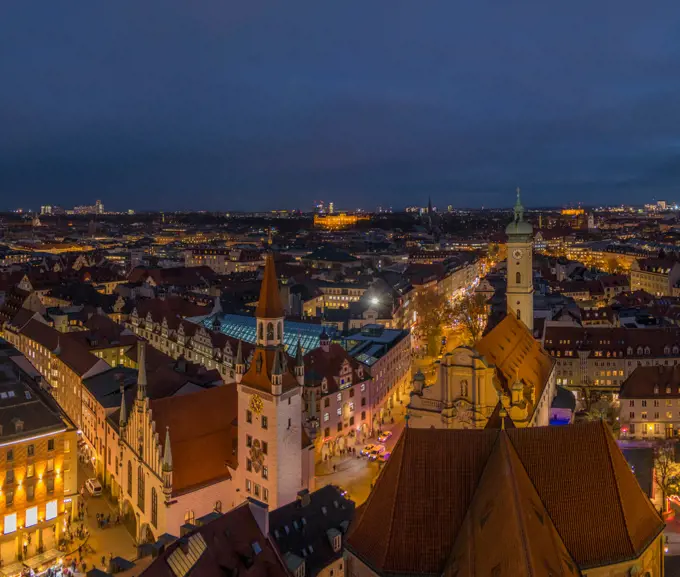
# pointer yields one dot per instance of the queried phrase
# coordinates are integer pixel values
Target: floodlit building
(38, 466)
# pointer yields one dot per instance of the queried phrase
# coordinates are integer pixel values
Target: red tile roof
(512, 348)
(414, 515)
(203, 434)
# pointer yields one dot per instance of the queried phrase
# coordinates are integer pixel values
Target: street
(356, 474)
(113, 541)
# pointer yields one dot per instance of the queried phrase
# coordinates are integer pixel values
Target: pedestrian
(104, 561)
(334, 468)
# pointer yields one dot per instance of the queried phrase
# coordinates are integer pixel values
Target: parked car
(366, 450)
(94, 487)
(376, 452)
(384, 436)
(384, 456)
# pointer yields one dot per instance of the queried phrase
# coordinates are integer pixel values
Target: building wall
(283, 459)
(57, 466)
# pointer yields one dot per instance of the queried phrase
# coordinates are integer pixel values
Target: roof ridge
(503, 436)
(396, 492)
(604, 433)
(512, 448)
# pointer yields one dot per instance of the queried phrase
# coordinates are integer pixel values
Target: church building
(507, 374)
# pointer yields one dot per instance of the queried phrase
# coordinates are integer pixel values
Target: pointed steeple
(269, 305)
(429, 205)
(167, 452)
(239, 353)
(299, 355)
(122, 420)
(277, 368)
(300, 364)
(518, 209)
(141, 370)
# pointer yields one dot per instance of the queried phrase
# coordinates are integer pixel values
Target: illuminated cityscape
(339, 291)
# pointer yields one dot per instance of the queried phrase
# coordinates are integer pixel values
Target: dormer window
(639, 350)
(337, 543)
(647, 350)
(656, 389)
(668, 390)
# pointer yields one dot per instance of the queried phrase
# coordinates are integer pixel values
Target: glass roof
(244, 328)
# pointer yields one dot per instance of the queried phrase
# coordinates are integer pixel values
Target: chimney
(304, 498)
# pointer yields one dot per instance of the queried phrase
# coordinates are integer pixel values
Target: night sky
(207, 104)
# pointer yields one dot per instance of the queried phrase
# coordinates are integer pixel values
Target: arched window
(260, 331)
(140, 488)
(270, 331)
(189, 517)
(129, 478)
(518, 278)
(519, 315)
(279, 331)
(154, 507)
(463, 388)
(218, 506)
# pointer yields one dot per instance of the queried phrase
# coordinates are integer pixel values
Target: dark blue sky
(212, 104)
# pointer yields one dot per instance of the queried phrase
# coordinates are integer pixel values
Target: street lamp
(375, 300)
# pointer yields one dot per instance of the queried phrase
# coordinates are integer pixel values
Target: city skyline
(238, 108)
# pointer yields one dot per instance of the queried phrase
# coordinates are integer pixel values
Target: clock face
(517, 253)
(256, 405)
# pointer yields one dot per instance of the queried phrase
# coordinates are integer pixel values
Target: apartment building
(650, 403)
(655, 275)
(602, 358)
(38, 467)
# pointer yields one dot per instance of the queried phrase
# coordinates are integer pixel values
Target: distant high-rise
(331, 208)
(99, 207)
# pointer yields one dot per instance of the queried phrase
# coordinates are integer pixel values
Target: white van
(94, 487)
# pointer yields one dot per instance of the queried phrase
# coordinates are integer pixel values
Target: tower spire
(519, 209)
(122, 421)
(269, 305)
(167, 452)
(141, 370)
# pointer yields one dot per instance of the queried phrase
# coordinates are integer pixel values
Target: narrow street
(112, 541)
(356, 474)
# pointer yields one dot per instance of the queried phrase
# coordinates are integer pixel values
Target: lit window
(31, 516)
(325, 417)
(51, 510)
(10, 523)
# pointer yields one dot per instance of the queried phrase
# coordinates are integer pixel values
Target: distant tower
(429, 205)
(520, 283)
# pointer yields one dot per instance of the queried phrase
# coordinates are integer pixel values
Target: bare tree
(667, 476)
(433, 311)
(470, 313)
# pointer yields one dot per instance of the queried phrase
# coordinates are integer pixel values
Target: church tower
(270, 408)
(520, 285)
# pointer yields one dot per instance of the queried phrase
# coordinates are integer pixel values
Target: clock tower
(270, 408)
(520, 284)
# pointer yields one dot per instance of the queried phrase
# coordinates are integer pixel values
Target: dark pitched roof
(304, 525)
(232, 544)
(413, 517)
(652, 382)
